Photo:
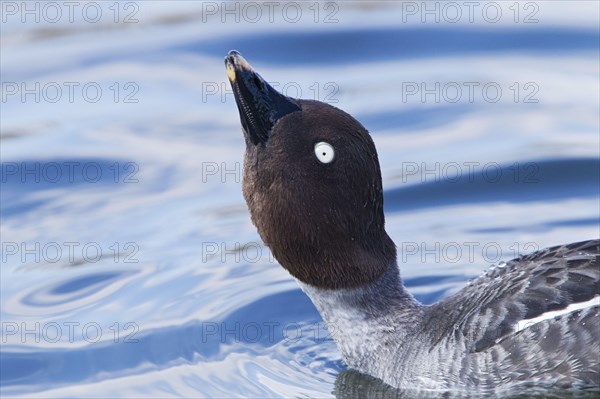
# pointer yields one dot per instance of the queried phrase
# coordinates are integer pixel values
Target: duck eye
(324, 152)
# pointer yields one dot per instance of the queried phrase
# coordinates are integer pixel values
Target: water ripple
(60, 297)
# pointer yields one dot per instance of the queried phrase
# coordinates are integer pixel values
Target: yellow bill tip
(230, 72)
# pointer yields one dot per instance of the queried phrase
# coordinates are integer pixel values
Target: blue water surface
(130, 267)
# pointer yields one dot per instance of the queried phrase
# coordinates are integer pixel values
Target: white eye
(324, 152)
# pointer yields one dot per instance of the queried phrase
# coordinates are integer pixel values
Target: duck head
(312, 184)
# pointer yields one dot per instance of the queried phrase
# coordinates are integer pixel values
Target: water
(129, 263)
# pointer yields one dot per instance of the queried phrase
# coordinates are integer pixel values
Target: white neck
(369, 320)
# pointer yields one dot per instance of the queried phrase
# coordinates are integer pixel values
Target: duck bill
(259, 104)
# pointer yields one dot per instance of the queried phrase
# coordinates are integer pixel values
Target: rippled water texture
(129, 263)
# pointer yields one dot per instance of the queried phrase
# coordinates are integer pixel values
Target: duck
(312, 184)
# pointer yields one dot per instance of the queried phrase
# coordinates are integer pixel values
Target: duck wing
(523, 292)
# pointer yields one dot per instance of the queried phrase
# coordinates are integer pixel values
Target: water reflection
(545, 180)
(343, 46)
(295, 332)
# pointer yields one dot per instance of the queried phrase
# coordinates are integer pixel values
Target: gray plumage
(469, 340)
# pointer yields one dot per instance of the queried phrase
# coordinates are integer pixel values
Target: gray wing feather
(478, 323)
(481, 319)
(548, 280)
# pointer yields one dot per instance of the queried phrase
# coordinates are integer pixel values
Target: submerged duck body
(312, 183)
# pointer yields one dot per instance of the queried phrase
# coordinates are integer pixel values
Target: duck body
(313, 187)
(534, 321)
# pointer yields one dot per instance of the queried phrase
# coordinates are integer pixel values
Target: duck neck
(364, 319)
